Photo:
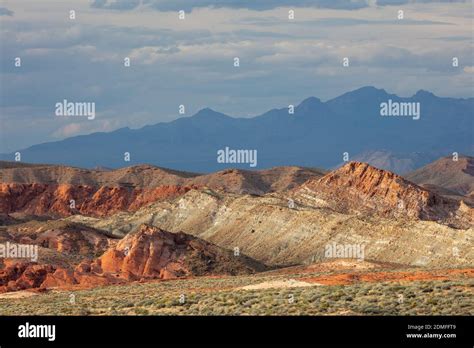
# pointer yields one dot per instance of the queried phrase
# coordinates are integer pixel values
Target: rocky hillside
(147, 253)
(147, 176)
(134, 176)
(393, 219)
(276, 232)
(454, 177)
(259, 182)
(66, 199)
(64, 237)
(360, 188)
(48, 190)
(393, 162)
(150, 252)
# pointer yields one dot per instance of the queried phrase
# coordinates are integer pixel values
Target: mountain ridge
(316, 135)
(456, 175)
(361, 188)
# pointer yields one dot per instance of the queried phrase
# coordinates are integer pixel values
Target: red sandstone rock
(55, 200)
(147, 253)
(359, 187)
(151, 252)
(22, 275)
(61, 277)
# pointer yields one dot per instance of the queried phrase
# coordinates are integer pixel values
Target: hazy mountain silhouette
(317, 134)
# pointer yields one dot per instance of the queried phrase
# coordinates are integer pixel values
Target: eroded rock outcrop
(65, 199)
(151, 252)
(360, 188)
(148, 253)
(23, 275)
(59, 235)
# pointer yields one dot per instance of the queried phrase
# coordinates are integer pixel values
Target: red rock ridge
(55, 200)
(359, 187)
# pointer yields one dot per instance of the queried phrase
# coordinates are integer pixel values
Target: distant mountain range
(317, 134)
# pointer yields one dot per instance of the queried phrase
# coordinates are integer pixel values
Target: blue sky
(190, 61)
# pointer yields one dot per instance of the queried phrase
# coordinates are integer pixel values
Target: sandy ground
(18, 294)
(397, 276)
(278, 284)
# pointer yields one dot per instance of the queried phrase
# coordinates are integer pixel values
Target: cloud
(404, 2)
(257, 5)
(339, 22)
(85, 127)
(262, 5)
(190, 62)
(68, 130)
(5, 12)
(188, 5)
(116, 4)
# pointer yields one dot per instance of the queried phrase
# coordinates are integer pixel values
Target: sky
(190, 61)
